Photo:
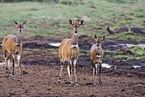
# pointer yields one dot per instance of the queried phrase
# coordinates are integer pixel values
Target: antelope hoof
(13, 76)
(9, 75)
(59, 81)
(77, 85)
(21, 76)
(94, 85)
(100, 83)
(71, 85)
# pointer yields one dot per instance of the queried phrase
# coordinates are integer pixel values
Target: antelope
(12, 45)
(69, 50)
(119, 30)
(96, 53)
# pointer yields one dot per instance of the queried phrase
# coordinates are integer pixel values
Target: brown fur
(69, 51)
(96, 53)
(12, 45)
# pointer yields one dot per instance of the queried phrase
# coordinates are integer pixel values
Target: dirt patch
(41, 68)
(41, 80)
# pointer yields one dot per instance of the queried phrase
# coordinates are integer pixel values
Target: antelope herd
(68, 52)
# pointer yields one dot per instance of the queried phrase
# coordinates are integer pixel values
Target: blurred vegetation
(51, 19)
(56, 1)
(123, 1)
(69, 2)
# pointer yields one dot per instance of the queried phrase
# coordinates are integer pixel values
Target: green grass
(101, 13)
(135, 52)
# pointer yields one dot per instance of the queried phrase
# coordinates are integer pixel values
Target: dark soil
(41, 68)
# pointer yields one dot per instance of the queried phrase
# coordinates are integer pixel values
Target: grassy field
(51, 20)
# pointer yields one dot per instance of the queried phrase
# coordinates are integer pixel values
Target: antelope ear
(25, 22)
(81, 22)
(16, 24)
(70, 22)
(95, 36)
(103, 38)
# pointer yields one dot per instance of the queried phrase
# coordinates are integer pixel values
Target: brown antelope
(13, 45)
(96, 58)
(69, 50)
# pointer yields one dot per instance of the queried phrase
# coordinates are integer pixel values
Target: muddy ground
(41, 67)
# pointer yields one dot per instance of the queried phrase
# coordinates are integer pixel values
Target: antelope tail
(110, 31)
(119, 30)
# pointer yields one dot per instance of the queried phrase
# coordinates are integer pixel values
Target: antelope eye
(100, 41)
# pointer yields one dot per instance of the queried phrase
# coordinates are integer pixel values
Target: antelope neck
(74, 41)
(19, 39)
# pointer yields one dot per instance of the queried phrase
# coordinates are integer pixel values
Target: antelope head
(20, 26)
(76, 26)
(20, 31)
(99, 41)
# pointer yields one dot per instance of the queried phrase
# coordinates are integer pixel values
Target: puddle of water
(136, 66)
(106, 65)
(131, 45)
(55, 44)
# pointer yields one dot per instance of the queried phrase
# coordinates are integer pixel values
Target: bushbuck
(126, 29)
(69, 50)
(119, 30)
(96, 53)
(12, 45)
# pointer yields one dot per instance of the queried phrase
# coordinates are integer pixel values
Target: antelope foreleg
(7, 63)
(93, 77)
(100, 82)
(68, 71)
(96, 72)
(75, 73)
(61, 68)
(20, 71)
(13, 63)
